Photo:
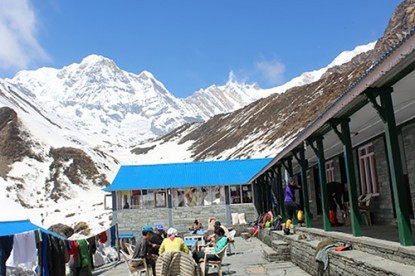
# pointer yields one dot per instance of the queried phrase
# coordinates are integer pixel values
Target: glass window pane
(178, 197)
(247, 193)
(148, 199)
(135, 198)
(160, 198)
(235, 193)
(190, 196)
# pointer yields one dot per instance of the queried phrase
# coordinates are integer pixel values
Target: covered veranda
(377, 106)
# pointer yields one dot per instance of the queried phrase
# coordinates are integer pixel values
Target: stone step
(268, 253)
(356, 262)
(386, 249)
(351, 262)
(282, 250)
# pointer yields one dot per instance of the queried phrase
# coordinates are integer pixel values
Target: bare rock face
(82, 228)
(400, 24)
(75, 165)
(14, 143)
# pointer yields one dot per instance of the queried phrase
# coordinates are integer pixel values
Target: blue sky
(189, 45)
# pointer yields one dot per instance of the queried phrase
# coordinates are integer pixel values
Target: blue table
(190, 243)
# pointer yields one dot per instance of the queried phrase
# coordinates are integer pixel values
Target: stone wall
(385, 258)
(408, 134)
(337, 172)
(382, 207)
(132, 220)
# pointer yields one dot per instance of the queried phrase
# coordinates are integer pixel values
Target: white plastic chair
(215, 264)
(136, 266)
(231, 241)
(130, 248)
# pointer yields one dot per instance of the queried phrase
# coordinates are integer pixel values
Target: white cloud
(241, 76)
(19, 45)
(271, 70)
(263, 72)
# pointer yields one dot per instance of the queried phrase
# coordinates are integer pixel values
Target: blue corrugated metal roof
(193, 174)
(15, 227)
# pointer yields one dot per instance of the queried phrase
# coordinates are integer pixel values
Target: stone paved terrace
(249, 259)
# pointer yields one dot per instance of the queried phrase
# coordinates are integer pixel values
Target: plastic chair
(231, 241)
(130, 248)
(215, 264)
(136, 266)
(365, 202)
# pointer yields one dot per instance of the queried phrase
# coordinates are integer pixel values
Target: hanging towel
(24, 251)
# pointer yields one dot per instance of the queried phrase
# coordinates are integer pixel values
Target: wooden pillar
(228, 215)
(319, 151)
(386, 112)
(300, 157)
(280, 193)
(344, 136)
(170, 207)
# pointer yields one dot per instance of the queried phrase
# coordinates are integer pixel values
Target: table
(198, 238)
(191, 244)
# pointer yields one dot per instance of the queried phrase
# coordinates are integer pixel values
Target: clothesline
(31, 247)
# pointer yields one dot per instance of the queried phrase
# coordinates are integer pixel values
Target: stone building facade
(382, 207)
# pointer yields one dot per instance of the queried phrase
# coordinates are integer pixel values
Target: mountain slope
(264, 127)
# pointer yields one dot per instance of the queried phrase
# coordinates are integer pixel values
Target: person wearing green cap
(142, 247)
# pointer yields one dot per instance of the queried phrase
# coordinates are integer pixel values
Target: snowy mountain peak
(96, 59)
(145, 75)
(346, 56)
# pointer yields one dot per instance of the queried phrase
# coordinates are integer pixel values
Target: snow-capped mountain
(310, 77)
(223, 99)
(107, 104)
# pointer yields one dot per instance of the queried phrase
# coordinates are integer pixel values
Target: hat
(148, 228)
(159, 227)
(290, 179)
(171, 231)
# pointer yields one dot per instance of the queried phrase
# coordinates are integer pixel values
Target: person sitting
(220, 242)
(172, 242)
(155, 241)
(142, 247)
(211, 238)
(211, 225)
(196, 226)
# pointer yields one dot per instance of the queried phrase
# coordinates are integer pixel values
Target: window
(235, 193)
(178, 198)
(108, 202)
(135, 198)
(367, 166)
(240, 194)
(198, 196)
(160, 198)
(330, 171)
(246, 193)
(148, 199)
